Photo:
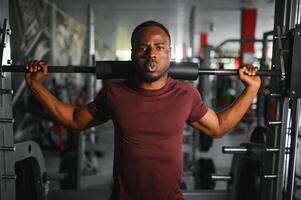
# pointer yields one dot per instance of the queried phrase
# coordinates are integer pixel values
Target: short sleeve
(99, 108)
(198, 108)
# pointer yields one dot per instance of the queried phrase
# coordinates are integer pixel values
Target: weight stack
(7, 148)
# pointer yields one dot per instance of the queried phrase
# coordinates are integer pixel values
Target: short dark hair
(146, 24)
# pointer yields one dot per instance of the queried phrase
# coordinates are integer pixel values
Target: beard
(148, 77)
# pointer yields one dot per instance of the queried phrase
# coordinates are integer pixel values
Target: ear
(132, 54)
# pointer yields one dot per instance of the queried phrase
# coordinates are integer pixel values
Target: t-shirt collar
(169, 84)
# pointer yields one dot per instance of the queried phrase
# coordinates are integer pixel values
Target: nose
(152, 53)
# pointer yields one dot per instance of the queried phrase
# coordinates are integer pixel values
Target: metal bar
(8, 148)
(275, 95)
(9, 176)
(293, 19)
(52, 69)
(298, 18)
(275, 123)
(7, 120)
(270, 176)
(230, 72)
(234, 149)
(272, 150)
(243, 40)
(2, 39)
(282, 67)
(274, 189)
(85, 69)
(192, 29)
(6, 91)
(244, 150)
(279, 161)
(221, 177)
(294, 142)
(206, 194)
(261, 94)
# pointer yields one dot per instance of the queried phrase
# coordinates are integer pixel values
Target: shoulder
(187, 89)
(114, 89)
(113, 85)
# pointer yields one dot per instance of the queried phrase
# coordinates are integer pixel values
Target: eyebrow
(159, 43)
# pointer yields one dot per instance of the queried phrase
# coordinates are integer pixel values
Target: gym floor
(95, 187)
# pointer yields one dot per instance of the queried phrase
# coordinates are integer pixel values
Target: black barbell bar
(123, 69)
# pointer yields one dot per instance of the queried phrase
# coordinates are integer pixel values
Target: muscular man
(148, 112)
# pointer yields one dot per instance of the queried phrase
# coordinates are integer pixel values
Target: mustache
(151, 62)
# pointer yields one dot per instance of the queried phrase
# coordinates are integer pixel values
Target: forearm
(61, 112)
(231, 116)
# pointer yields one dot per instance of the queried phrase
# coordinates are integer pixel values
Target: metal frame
(7, 163)
(242, 40)
(206, 195)
(285, 137)
(261, 94)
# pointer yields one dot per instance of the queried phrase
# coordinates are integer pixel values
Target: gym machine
(278, 169)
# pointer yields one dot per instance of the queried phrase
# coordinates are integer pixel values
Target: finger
(44, 67)
(34, 66)
(30, 63)
(41, 65)
(31, 66)
(250, 70)
(254, 70)
(243, 71)
(38, 66)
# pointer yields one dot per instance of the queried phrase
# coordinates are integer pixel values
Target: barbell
(124, 69)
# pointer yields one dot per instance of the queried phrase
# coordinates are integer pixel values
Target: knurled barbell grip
(52, 69)
(233, 72)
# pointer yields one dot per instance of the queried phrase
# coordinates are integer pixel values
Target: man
(148, 112)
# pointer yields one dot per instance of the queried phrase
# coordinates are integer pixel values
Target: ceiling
(115, 19)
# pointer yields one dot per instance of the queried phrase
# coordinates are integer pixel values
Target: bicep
(208, 124)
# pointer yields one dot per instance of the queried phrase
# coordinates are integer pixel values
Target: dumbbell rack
(7, 147)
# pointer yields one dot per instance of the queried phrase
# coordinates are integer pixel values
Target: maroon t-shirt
(148, 136)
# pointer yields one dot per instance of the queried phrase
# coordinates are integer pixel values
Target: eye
(142, 48)
(160, 48)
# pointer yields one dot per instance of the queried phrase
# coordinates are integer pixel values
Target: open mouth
(151, 66)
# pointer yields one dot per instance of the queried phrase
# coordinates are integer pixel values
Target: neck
(152, 85)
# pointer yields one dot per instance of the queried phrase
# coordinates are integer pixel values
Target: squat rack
(283, 132)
